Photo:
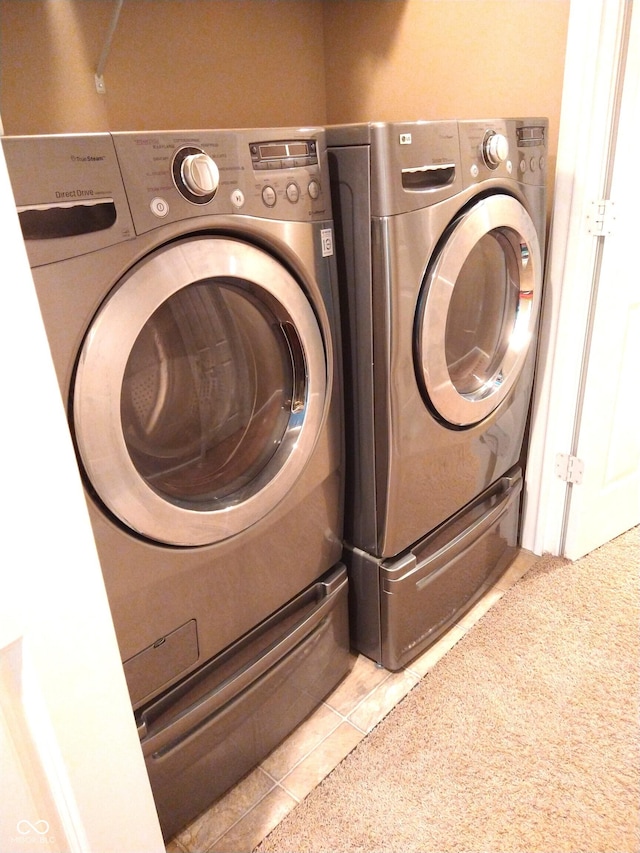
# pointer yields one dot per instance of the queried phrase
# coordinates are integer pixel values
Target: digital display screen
(283, 155)
(528, 136)
(298, 149)
(273, 150)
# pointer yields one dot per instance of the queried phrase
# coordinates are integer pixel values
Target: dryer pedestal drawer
(204, 734)
(408, 602)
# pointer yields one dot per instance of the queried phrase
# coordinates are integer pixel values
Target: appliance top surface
(367, 132)
(413, 165)
(97, 189)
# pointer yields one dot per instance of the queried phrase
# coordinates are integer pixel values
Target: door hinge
(569, 468)
(601, 218)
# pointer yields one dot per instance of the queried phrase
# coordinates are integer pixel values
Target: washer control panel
(274, 174)
(504, 148)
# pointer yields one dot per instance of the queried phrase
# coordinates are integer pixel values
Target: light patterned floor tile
(381, 700)
(224, 813)
(480, 608)
(256, 824)
(518, 568)
(363, 678)
(301, 742)
(427, 660)
(312, 770)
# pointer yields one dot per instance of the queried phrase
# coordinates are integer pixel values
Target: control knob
(200, 174)
(495, 149)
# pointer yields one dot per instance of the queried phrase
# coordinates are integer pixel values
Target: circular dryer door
(478, 308)
(200, 391)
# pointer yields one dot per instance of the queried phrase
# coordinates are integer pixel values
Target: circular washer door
(477, 310)
(200, 391)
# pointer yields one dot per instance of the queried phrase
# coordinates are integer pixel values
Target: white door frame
(73, 773)
(592, 69)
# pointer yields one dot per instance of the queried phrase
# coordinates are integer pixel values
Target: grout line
(176, 845)
(280, 783)
(270, 775)
(249, 810)
(367, 695)
(308, 755)
(363, 700)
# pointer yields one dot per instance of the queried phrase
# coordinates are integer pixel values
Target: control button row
(292, 193)
(474, 170)
(160, 207)
(532, 164)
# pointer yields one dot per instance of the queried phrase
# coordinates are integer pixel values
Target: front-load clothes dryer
(187, 284)
(440, 233)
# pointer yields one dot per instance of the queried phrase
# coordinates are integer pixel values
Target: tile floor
(248, 812)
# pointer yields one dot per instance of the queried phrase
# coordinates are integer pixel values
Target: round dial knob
(200, 174)
(495, 149)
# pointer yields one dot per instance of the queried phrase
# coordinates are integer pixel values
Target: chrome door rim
(101, 367)
(506, 215)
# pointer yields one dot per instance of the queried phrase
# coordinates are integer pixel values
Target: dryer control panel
(274, 174)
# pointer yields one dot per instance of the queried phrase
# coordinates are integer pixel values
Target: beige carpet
(524, 737)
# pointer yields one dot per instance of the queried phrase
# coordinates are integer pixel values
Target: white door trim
(73, 773)
(588, 109)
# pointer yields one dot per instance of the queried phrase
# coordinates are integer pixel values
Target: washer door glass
(478, 309)
(200, 391)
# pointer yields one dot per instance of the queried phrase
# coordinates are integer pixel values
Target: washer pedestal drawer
(205, 733)
(407, 602)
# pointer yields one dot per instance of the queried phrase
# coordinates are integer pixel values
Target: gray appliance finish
(440, 248)
(188, 288)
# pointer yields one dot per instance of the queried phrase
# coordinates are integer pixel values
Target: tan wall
(172, 64)
(231, 63)
(426, 59)
(394, 60)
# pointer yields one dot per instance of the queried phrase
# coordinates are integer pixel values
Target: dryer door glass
(478, 310)
(481, 313)
(200, 391)
(207, 394)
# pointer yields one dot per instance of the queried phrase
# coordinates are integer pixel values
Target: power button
(159, 207)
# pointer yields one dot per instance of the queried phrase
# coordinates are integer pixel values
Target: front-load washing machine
(440, 233)
(187, 285)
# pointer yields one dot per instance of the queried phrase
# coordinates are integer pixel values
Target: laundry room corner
(321, 319)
